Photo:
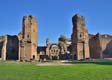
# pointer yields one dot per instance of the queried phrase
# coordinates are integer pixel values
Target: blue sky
(54, 16)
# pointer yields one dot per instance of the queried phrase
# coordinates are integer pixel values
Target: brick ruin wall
(9, 47)
(100, 46)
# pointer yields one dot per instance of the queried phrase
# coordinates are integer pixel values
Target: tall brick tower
(28, 39)
(79, 38)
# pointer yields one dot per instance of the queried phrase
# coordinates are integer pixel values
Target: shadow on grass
(100, 62)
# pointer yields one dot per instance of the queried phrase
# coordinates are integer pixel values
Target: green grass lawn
(76, 71)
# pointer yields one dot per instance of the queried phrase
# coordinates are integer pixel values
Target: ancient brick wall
(28, 39)
(100, 46)
(10, 48)
(79, 38)
(106, 43)
(1, 44)
(94, 45)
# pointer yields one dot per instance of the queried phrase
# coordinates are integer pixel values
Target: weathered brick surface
(28, 39)
(10, 48)
(79, 38)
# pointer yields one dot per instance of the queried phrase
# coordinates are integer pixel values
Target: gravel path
(53, 64)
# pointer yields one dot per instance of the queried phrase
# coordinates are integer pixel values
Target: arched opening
(33, 57)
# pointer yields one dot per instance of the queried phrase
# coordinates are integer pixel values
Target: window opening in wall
(28, 36)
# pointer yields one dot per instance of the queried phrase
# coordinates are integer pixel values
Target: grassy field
(76, 71)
